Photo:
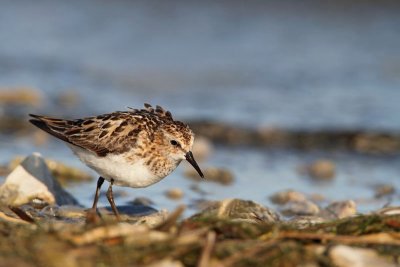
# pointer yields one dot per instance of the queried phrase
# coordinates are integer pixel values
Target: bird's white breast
(124, 173)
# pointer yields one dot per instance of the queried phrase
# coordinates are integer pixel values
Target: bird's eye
(174, 143)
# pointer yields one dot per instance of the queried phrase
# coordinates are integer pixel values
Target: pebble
(296, 208)
(33, 180)
(240, 210)
(174, 193)
(322, 169)
(286, 196)
(340, 209)
(211, 174)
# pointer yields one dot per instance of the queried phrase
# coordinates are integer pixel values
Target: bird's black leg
(91, 216)
(110, 198)
(100, 182)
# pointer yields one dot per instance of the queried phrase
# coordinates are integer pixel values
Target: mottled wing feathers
(115, 132)
(51, 125)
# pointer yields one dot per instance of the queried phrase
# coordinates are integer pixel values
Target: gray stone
(32, 180)
(240, 210)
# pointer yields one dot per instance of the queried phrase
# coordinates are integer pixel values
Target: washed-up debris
(212, 174)
(32, 180)
(137, 234)
(59, 170)
(202, 240)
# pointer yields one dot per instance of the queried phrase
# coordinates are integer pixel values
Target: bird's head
(177, 140)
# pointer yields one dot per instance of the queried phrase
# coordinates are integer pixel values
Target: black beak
(190, 159)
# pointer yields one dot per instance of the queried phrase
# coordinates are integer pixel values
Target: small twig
(171, 220)
(373, 239)
(208, 247)
(248, 252)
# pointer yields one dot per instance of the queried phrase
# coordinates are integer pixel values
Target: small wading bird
(134, 148)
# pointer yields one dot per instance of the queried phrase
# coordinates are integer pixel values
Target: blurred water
(296, 65)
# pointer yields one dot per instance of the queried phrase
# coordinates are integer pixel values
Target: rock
(202, 148)
(174, 193)
(284, 197)
(59, 170)
(213, 174)
(32, 180)
(384, 190)
(201, 204)
(322, 170)
(346, 256)
(296, 208)
(339, 209)
(240, 210)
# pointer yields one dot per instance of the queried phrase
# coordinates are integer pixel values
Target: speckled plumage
(134, 148)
